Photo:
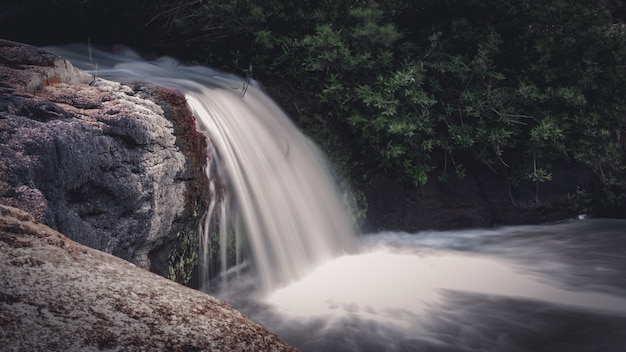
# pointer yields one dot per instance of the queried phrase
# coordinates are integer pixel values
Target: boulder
(58, 295)
(107, 164)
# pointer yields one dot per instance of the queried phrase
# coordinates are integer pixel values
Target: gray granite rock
(58, 295)
(94, 159)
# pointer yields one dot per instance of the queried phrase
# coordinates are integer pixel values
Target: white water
(293, 216)
(546, 288)
(411, 283)
(283, 191)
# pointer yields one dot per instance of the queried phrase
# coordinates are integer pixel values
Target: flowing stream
(312, 280)
(557, 287)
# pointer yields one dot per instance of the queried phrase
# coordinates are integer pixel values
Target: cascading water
(557, 287)
(283, 191)
(292, 215)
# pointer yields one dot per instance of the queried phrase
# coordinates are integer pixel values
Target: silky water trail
(557, 287)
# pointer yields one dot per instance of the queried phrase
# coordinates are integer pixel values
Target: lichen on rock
(58, 295)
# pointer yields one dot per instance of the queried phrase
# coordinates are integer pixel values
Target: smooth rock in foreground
(58, 295)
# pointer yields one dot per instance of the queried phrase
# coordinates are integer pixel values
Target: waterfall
(292, 214)
(281, 197)
(557, 287)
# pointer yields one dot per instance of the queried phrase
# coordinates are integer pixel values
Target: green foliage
(427, 87)
(184, 258)
(521, 84)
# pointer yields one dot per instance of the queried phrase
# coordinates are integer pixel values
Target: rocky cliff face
(57, 295)
(99, 161)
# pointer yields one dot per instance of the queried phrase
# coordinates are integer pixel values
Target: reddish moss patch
(53, 80)
(166, 259)
(193, 145)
